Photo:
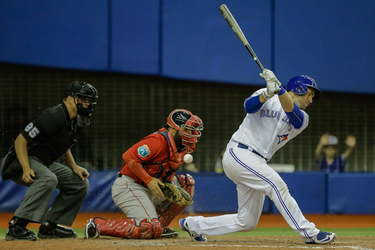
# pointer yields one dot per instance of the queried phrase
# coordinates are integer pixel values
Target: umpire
(32, 162)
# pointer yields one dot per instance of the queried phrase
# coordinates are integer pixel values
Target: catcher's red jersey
(150, 152)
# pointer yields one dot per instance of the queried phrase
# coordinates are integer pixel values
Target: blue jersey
(338, 165)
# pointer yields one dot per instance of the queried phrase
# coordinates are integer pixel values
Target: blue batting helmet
(300, 84)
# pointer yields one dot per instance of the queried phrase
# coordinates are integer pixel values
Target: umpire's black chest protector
(57, 134)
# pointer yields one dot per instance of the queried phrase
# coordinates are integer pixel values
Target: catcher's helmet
(190, 125)
(300, 84)
(84, 89)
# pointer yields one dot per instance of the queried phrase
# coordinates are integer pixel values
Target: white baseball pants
(254, 179)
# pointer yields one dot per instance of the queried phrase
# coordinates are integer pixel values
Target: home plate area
(184, 243)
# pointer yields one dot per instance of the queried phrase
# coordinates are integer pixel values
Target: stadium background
(148, 57)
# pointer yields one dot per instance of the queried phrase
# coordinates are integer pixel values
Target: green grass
(262, 232)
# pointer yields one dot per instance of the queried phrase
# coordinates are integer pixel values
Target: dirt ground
(214, 242)
(184, 243)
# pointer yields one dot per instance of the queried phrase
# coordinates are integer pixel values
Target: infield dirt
(183, 242)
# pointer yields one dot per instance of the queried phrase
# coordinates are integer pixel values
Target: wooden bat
(237, 30)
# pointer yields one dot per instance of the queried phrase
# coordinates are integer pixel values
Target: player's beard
(178, 140)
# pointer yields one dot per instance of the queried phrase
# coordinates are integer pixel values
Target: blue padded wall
(214, 193)
(347, 193)
(135, 36)
(198, 43)
(351, 193)
(65, 34)
(331, 41)
(11, 195)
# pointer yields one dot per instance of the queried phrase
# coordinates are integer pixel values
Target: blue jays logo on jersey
(282, 138)
(144, 151)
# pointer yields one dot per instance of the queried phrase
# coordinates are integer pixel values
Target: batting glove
(272, 89)
(269, 76)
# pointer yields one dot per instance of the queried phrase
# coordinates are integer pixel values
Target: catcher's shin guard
(129, 228)
(167, 210)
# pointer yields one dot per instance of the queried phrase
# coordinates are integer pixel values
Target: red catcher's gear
(167, 210)
(153, 158)
(129, 228)
(189, 125)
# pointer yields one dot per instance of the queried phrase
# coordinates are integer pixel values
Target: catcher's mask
(83, 90)
(189, 125)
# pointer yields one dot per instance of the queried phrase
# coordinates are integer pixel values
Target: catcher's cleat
(194, 237)
(60, 232)
(90, 230)
(168, 233)
(20, 233)
(323, 238)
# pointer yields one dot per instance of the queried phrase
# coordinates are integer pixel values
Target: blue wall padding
(191, 40)
(351, 193)
(11, 195)
(135, 36)
(99, 197)
(64, 34)
(214, 193)
(320, 39)
(198, 43)
(308, 189)
(314, 191)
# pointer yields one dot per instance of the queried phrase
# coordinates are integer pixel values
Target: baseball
(188, 158)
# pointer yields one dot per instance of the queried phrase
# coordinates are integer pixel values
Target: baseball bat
(237, 30)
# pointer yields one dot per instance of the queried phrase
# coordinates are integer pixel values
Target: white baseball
(188, 158)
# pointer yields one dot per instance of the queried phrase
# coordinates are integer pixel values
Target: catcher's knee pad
(129, 228)
(187, 183)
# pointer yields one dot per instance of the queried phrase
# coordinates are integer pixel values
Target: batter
(271, 121)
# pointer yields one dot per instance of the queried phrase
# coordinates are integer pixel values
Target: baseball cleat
(323, 238)
(168, 233)
(90, 230)
(184, 226)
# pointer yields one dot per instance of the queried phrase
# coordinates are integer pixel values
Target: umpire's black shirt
(51, 133)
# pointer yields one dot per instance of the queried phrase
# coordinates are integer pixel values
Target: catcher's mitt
(176, 194)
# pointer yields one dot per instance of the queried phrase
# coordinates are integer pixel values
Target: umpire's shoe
(194, 237)
(323, 238)
(19, 233)
(58, 232)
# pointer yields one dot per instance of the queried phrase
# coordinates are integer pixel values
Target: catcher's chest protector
(170, 152)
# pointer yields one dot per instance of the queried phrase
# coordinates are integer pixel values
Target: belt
(240, 145)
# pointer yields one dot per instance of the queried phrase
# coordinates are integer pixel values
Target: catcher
(147, 189)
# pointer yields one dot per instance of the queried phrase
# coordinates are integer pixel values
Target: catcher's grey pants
(135, 200)
(38, 196)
